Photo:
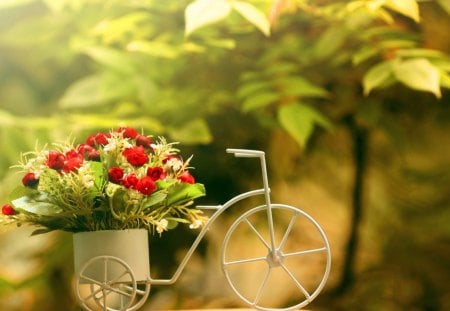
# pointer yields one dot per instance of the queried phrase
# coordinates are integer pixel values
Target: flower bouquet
(117, 180)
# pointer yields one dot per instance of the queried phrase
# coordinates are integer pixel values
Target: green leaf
(397, 44)
(21, 191)
(110, 57)
(250, 75)
(182, 193)
(36, 204)
(156, 198)
(248, 89)
(97, 172)
(298, 86)
(259, 100)
(281, 68)
(364, 54)
(172, 222)
(193, 132)
(164, 184)
(408, 8)
(205, 12)
(445, 4)
(330, 42)
(428, 53)
(94, 90)
(376, 76)
(445, 80)
(299, 121)
(42, 231)
(253, 15)
(418, 74)
(229, 44)
(153, 48)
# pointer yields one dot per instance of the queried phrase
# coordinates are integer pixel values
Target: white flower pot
(129, 246)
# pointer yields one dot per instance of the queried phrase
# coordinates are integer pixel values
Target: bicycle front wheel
(284, 277)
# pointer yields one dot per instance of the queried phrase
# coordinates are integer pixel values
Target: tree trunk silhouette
(359, 136)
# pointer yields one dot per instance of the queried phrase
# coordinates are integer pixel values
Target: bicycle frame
(219, 209)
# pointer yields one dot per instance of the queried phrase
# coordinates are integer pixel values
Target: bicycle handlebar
(246, 153)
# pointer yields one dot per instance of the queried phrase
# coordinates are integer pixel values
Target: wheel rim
(142, 293)
(116, 290)
(258, 274)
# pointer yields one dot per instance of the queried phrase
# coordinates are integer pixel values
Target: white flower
(161, 226)
(175, 164)
(156, 148)
(88, 181)
(111, 189)
(197, 223)
(110, 146)
(116, 143)
(86, 178)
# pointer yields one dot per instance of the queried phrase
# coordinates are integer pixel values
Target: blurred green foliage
(281, 75)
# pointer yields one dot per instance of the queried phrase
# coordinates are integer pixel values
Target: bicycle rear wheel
(285, 278)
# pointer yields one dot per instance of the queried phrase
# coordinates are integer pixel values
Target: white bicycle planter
(286, 252)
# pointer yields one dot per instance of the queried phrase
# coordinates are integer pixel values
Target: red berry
(187, 178)
(144, 141)
(30, 180)
(8, 210)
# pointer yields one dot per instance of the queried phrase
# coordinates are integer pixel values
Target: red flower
(89, 152)
(73, 161)
(8, 210)
(130, 181)
(128, 132)
(84, 149)
(136, 156)
(146, 185)
(187, 177)
(144, 141)
(97, 139)
(115, 175)
(30, 180)
(156, 173)
(94, 155)
(55, 160)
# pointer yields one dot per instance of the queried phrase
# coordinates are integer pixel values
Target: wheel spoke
(261, 287)
(119, 277)
(257, 234)
(86, 278)
(138, 291)
(92, 295)
(122, 299)
(288, 231)
(120, 292)
(305, 252)
(105, 270)
(105, 307)
(297, 283)
(236, 262)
